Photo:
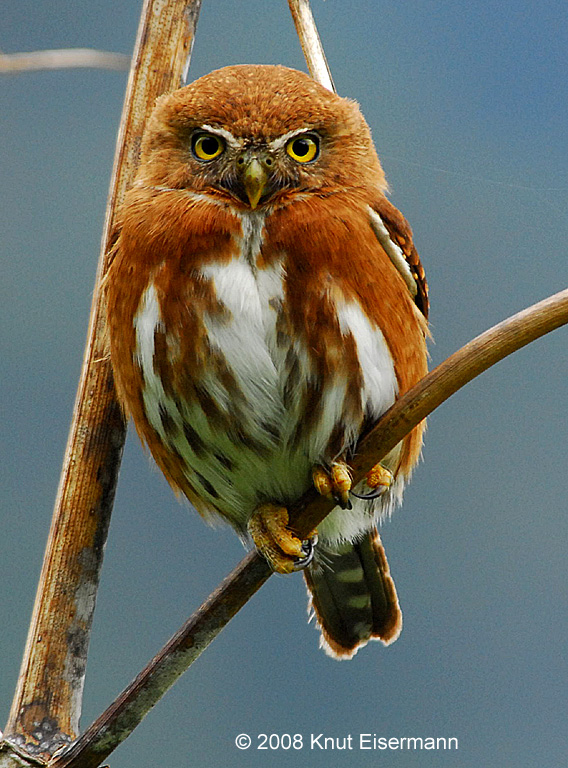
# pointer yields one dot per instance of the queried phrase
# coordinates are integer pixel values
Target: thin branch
(62, 58)
(117, 722)
(311, 43)
(436, 387)
(134, 703)
(47, 702)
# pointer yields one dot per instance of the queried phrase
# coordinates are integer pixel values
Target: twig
(443, 381)
(311, 43)
(126, 712)
(46, 707)
(62, 58)
(114, 725)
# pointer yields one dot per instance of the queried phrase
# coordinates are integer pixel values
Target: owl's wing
(394, 234)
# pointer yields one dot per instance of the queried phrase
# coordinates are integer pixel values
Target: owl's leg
(380, 479)
(269, 530)
(334, 484)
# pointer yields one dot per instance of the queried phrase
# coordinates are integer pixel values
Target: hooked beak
(255, 179)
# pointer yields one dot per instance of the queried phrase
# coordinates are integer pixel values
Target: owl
(265, 306)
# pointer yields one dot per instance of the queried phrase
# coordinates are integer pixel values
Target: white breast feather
(146, 322)
(244, 338)
(380, 384)
(378, 393)
(247, 340)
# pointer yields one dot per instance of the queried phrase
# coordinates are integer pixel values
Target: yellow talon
(335, 484)
(379, 476)
(322, 482)
(341, 479)
(269, 530)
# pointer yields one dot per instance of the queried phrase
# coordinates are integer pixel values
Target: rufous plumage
(266, 304)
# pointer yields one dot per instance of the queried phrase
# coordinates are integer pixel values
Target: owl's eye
(303, 148)
(206, 146)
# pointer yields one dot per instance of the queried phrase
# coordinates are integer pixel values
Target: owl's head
(256, 135)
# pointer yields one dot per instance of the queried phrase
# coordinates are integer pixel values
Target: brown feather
(184, 223)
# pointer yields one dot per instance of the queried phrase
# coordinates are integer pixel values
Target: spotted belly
(249, 426)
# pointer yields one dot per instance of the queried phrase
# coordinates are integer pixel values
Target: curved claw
(309, 547)
(368, 496)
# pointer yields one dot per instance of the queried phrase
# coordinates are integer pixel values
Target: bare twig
(126, 712)
(454, 373)
(311, 43)
(114, 725)
(46, 707)
(62, 58)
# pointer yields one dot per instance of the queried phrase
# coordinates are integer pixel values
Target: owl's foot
(335, 484)
(285, 552)
(380, 479)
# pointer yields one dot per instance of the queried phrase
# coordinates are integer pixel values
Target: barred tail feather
(353, 598)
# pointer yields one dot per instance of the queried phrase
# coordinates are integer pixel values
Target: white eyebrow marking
(281, 140)
(227, 135)
(187, 192)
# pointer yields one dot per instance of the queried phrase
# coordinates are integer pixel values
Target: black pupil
(209, 145)
(301, 147)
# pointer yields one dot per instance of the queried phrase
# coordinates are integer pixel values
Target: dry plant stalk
(310, 41)
(47, 702)
(62, 58)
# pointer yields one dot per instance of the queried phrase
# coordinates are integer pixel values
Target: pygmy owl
(265, 305)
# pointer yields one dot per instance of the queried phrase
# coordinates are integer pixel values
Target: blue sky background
(468, 105)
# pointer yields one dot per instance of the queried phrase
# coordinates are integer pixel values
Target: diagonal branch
(442, 382)
(118, 721)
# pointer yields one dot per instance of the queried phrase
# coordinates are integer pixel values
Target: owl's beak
(255, 179)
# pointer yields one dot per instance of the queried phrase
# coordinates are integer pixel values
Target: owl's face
(255, 135)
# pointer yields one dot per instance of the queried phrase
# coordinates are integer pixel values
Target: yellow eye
(207, 146)
(304, 148)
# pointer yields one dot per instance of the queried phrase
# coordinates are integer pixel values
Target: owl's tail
(354, 598)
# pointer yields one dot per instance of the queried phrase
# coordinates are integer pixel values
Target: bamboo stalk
(47, 702)
(126, 712)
